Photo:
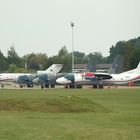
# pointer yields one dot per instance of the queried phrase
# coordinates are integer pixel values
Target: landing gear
(94, 86)
(100, 86)
(42, 86)
(29, 85)
(52, 85)
(66, 86)
(72, 86)
(2, 86)
(47, 86)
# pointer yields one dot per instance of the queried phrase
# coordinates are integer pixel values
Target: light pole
(72, 25)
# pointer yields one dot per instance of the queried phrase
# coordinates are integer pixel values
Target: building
(98, 68)
(80, 67)
(104, 68)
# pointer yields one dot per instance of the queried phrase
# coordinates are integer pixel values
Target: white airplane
(48, 77)
(27, 78)
(79, 79)
(20, 78)
(125, 77)
(99, 79)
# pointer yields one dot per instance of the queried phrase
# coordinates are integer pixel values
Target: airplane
(20, 78)
(78, 79)
(27, 78)
(125, 77)
(48, 78)
(99, 79)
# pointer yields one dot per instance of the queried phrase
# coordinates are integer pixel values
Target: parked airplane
(99, 79)
(27, 78)
(79, 79)
(20, 78)
(125, 77)
(48, 78)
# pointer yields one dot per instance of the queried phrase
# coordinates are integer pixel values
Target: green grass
(73, 114)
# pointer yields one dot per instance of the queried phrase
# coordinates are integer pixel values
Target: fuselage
(69, 78)
(11, 77)
(93, 78)
(123, 78)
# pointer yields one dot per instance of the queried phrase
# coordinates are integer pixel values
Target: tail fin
(138, 67)
(53, 69)
(134, 71)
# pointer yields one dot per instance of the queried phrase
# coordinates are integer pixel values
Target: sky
(43, 26)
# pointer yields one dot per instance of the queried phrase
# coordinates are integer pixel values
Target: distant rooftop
(103, 66)
(80, 66)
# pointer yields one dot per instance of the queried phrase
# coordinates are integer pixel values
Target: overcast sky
(43, 26)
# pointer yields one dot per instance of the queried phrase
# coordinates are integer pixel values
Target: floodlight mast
(72, 25)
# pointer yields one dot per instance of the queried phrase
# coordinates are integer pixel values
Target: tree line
(129, 50)
(40, 61)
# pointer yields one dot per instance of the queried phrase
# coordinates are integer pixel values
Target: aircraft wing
(102, 76)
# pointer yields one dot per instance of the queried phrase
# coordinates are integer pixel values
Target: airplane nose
(63, 80)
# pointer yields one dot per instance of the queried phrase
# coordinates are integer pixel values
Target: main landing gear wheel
(100, 86)
(94, 86)
(72, 86)
(42, 86)
(52, 85)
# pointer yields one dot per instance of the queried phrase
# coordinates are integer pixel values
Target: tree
(129, 50)
(134, 59)
(94, 58)
(3, 62)
(118, 49)
(36, 61)
(63, 51)
(12, 68)
(66, 61)
(112, 54)
(13, 57)
(79, 57)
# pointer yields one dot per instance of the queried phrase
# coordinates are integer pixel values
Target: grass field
(70, 114)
